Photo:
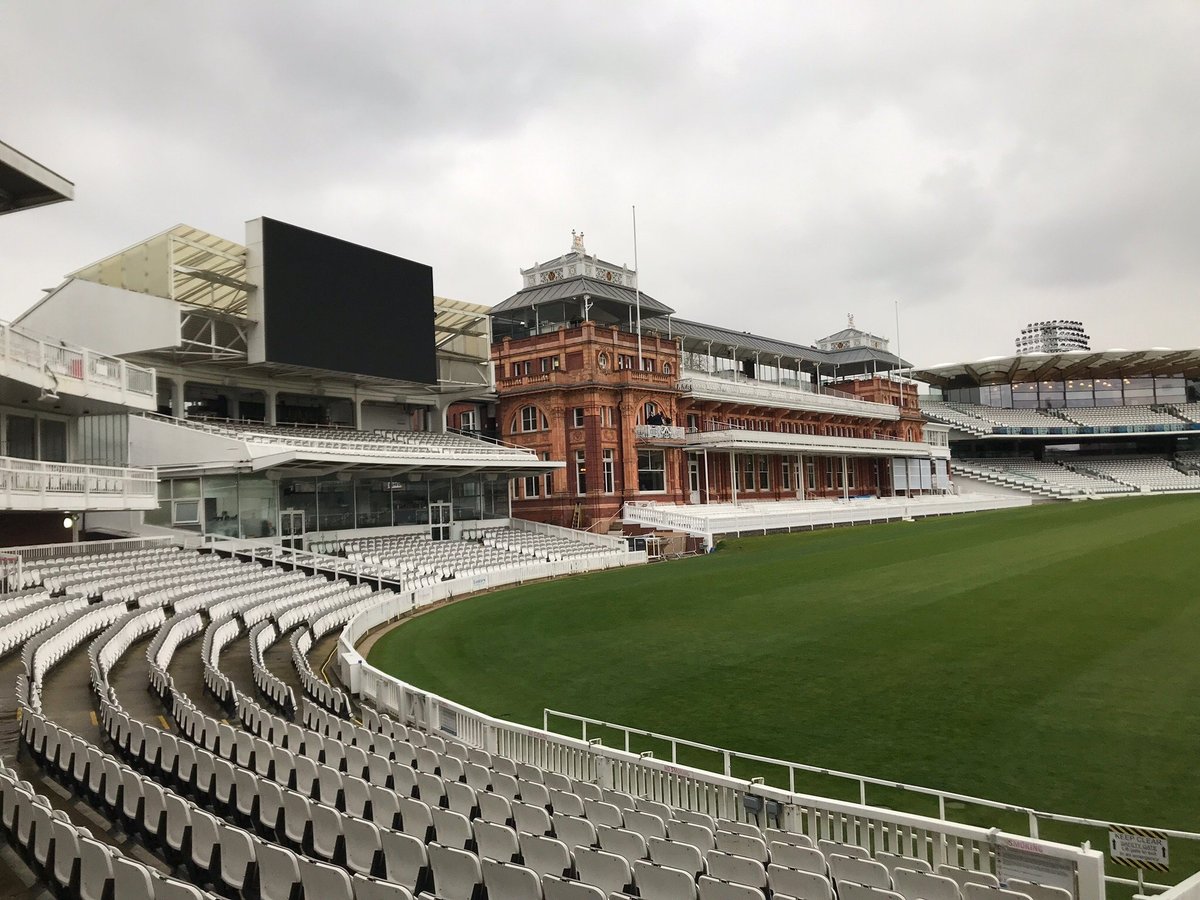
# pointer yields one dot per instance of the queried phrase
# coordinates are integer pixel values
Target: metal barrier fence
(1079, 869)
(31, 476)
(73, 362)
(731, 761)
(88, 548)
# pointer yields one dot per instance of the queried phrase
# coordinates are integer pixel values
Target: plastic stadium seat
(742, 845)
(655, 882)
(983, 892)
(851, 850)
(609, 872)
(866, 872)
(677, 855)
(601, 813)
(554, 888)
(278, 872)
(367, 888)
(622, 842)
(505, 881)
(494, 808)
(775, 835)
(806, 859)
(95, 869)
(405, 858)
(325, 881)
(1038, 891)
(498, 842)
(848, 890)
(745, 828)
(453, 829)
(699, 836)
(456, 873)
(545, 855)
(416, 819)
(738, 869)
(565, 802)
(913, 885)
(647, 824)
(963, 877)
(364, 848)
(798, 884)
(715, 889)
(573, 831)
(530, 818)
(892, 862)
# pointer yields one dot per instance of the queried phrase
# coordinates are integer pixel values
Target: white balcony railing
(659, 432)
(73, 368)
(33, 484)
(706, 387)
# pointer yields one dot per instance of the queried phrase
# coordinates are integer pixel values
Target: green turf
(1045, 656)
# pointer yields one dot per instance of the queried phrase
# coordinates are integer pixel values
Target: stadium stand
(1040, 477)
(1143, 473)
(311, 794)
(1122, 417)
(1188, 411)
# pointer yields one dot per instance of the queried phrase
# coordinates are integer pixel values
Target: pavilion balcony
(30, 484)
(58, 367)
(739, 440)
(659, 435)
(723, 390)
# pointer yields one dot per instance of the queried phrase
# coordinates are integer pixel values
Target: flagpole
(899, 358)
(637, 291)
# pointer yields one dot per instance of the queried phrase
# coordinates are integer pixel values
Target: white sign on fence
(1028, 863)
(1141, 848)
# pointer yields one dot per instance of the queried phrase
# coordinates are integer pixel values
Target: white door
(291, 528)
(440, 517)
(693, 478)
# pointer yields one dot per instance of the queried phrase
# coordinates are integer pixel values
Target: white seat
(456, 873)
(533, 819)
(647, 824)
(914, 885)
(797, 884)
(505, 881)
(324, 880)
(368, 888)
(545, 855)
(853, 851)
(1038, 891)
(453, 829)
(364, 848)
(655, 882)
(986, 892)
(555, 888)
(848, 890)
(738, 869)
(677, 855)
(599, 813)
(713, 889)
(405, 858)
(866, 872)
(963, 877)
(742, 845)
(699, 836)
(893, 861)
(793, 856)
(573, 831)
(493, 841)
(622, 842)
(607, 871)
(278, 872)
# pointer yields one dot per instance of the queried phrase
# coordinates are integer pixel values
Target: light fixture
(68, 521)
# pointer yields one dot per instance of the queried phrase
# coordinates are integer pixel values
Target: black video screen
(331, 304)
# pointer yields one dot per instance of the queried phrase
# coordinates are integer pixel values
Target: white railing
(88, 548)
(756, 517)
(78, 364)
(707, 387)
(658, 432)
(84, 484)
(726, 759)
(810, 443)
(875, 828)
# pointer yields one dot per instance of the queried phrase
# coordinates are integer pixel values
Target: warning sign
(1141, 848)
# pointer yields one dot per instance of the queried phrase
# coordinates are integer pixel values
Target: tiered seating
(350, 440)
(1011, 418)
(1123, 417)
(416, 560)
(948, 414)
(339, 809)
(1051, 477)
(1146, 473)
(1188, 411)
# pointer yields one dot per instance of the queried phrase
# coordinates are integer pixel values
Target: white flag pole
(637, 292)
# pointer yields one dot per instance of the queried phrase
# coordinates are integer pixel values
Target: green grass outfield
(1047, 656)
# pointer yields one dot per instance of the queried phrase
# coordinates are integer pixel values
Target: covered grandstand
(1071, 425)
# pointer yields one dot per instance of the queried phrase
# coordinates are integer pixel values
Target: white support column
(177, 396)
(733, 475)
(233, 406)
(707, 495)
(845, 478)
(270, 399)
(802, 484)
(358, 423)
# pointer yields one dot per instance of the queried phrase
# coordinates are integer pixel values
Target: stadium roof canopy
(1073, 364)
(26, 183)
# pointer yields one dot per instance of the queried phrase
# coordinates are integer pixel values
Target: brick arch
(515, 422)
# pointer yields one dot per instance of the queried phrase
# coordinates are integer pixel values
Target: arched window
(530, 418)
(666, 368)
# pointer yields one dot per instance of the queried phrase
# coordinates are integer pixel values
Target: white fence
(706, 386)
(79, 484)
(78, 364)
(937, 842)
(571, 534)
(88, 548)
(803, 515)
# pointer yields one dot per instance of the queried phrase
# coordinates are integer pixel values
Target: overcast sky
(986, 164)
